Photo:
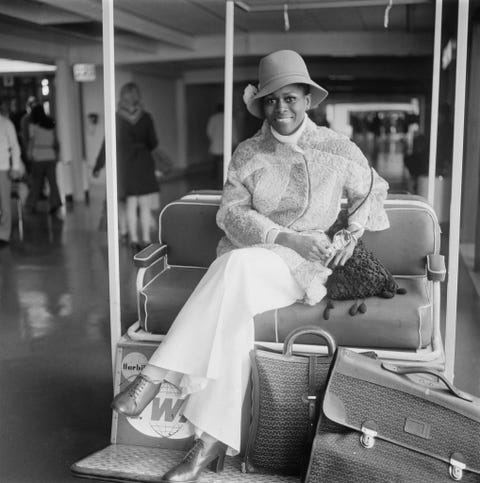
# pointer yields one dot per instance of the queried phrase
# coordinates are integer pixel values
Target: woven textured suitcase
(386, 423)
(285, 391)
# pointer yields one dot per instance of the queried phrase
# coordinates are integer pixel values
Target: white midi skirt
(206, 351)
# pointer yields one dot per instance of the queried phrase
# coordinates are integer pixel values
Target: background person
(137, 140)
(283, 192)
(24, 132)
(10, 168)
(43, 153)
(136, 177)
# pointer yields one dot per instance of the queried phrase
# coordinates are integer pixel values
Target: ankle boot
(136, 396)
(201, 455)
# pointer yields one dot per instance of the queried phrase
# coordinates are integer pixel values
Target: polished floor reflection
(55, 361)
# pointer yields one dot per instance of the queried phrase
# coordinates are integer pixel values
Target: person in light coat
(11, 167)
(283, 191)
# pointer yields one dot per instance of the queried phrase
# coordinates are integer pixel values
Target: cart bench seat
(170, 270)
(404, 322)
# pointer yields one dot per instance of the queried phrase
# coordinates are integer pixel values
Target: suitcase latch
(456, 469)
(367, 438)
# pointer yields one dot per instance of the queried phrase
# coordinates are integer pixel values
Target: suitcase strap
(311, 398)
(424, 370)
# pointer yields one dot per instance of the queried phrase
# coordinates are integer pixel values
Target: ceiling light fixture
(286, 20)
(387, 13)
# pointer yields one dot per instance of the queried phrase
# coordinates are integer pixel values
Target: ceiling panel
(37, 12)
(156, 31)
(207, 17)
(187, 16)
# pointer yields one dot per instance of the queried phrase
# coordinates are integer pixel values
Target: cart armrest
(149, 254)
(436, 270)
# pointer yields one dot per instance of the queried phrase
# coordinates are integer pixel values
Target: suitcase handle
(309, 329)
(423, 370)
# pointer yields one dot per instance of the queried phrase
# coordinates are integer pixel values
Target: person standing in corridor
(43, 150)
(136, 171)
(10, 168)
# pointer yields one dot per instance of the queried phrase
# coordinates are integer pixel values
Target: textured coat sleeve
(371, 213)
(242, 224)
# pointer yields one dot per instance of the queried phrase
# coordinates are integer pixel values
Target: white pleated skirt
(206, 351)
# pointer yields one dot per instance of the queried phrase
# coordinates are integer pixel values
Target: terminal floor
(55, 356)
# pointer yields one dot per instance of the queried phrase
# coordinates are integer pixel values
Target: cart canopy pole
(455, 205)
(228, 87)
(111, 174)
(437, 46)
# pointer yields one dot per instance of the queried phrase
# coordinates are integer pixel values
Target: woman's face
(285, 108)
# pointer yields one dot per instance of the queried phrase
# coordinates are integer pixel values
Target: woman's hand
(311, 247)
(341, 256)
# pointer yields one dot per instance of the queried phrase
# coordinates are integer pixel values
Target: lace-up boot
(202, 454)
(136, 396)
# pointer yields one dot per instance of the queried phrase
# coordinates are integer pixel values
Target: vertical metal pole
(181, 112)
(111, 174)
(432, 164)
(455, 205)
(228, 87)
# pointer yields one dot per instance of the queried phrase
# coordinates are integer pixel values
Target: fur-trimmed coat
(273, 186)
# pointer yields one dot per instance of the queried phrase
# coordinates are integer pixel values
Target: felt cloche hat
(277, 70)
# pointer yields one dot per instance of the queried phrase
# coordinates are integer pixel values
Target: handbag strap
(366, 196)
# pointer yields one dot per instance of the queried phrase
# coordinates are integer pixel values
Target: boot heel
(217, 464)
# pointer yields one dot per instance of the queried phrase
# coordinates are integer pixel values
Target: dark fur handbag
(362, 276)
(286, 389)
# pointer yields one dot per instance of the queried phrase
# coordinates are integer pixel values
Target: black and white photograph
(240, 241)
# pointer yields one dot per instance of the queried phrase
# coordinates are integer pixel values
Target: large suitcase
(385, 423)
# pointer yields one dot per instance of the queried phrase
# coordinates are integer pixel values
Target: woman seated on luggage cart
(283, 191)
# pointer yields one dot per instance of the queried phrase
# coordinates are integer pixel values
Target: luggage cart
(134, 462)
(145, 447)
